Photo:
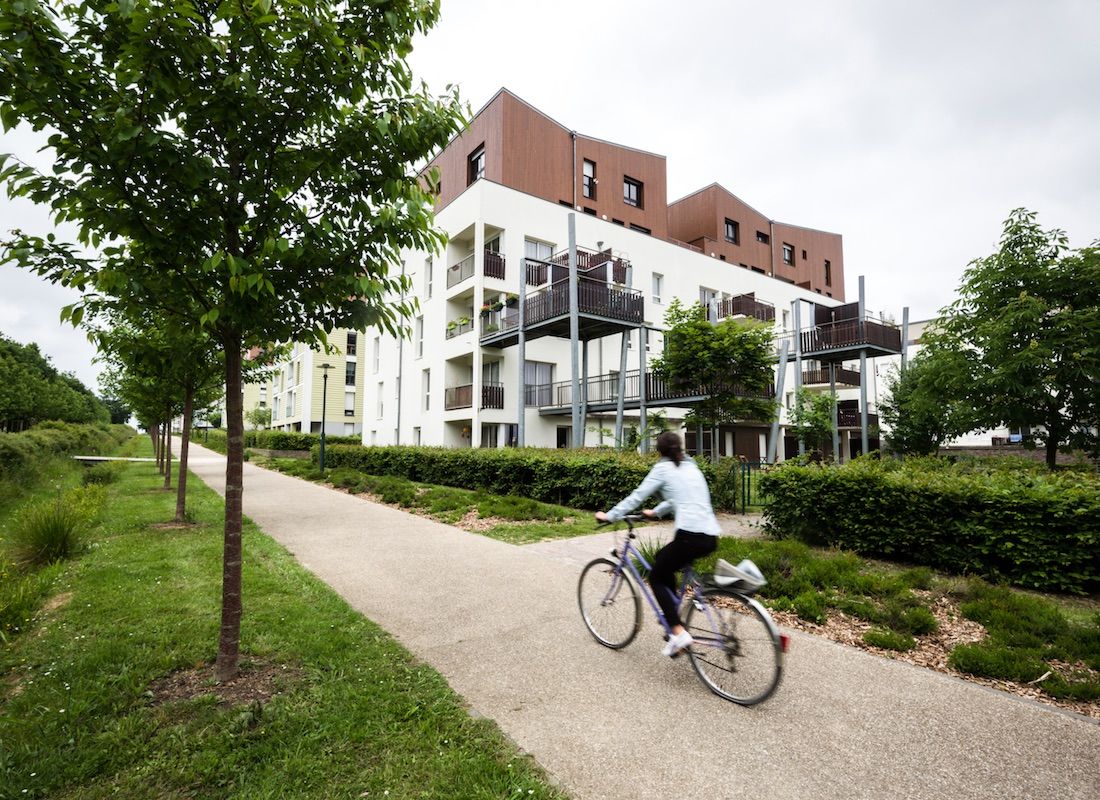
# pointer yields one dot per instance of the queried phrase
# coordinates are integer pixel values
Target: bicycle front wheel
(610, 604)
(737, 651)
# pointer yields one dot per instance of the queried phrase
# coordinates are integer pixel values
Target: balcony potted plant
(452, 325)
(492, 328)
(463, 321)
(511, 300)
(485, 309)
(496, 305)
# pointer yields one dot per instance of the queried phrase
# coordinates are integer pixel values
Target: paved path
(500, 623)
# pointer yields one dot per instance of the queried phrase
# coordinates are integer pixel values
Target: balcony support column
(798, 362)
(574, 334)
(479, 299)
(836, 426)
(584, 388)
(624, 346)
(643, 337)
(904, 339)
(521, 400)
(863, 402)
(780, 378)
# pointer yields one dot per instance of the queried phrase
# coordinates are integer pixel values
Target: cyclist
(685, 491)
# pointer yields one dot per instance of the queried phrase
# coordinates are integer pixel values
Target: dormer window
(476, 165)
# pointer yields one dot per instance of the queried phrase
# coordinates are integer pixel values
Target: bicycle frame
(690, 579)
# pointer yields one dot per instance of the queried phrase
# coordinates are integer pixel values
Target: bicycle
(738, 651)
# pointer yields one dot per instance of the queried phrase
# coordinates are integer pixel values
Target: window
(632, 192)
(489, 435)
(786, 319)
(428, 278)
(513, 435)
(349, 373)
(828, 273)
(640, 229)
(539, 250)
(381, 398)
(373, 438)
(419, 336)
(733, 231)
(416, 437)
(763, 238)
(290, 404)
(788, 254)
(618, 222)
(476, 166)
(353, 344)
(538, 378)
(426, 388)
(658, 286)
(263, 397)
(803, 255)
(588, 183)
(349, 404)
(376, 358)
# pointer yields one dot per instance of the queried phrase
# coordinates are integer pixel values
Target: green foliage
(993, 518)
(217, 440)
(918, 416)
(102, 474)
(731, 363)
(33, 390)
(889, 640)
(812, 420)
(21, 595)
(1021, 345)
(997, 661)
(50, 531)
(579, 479)
(810, 606)
(256, 417)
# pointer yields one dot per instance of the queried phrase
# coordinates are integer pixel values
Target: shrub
(103, 474)
(889, 640)
(810, 606)
(997, 661)
(46, 532)
(1000, 520)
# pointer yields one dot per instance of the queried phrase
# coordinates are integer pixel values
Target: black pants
(684, 548)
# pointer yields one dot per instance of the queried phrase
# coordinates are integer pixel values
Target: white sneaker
(676, 644)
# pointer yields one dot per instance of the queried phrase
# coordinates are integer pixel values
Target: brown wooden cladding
(452, 161)
(700, 219)
(613, 163)
(819, 246)
(538, 152)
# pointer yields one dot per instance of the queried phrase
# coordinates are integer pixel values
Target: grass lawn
(84, 712)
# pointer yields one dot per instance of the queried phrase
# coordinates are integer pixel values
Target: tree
(730, 364)
(1021, 345)
(258, 417)
(245, 165)
(812, 420)
(33, 390)
(918, 414)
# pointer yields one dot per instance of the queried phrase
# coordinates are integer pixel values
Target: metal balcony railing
(744, 305)
(851, 333)
(604, 389)
(846, 377)
(850, 418)
(593, 297)
(460, 326)
(461, 271)
(492, 396)
(494, 264)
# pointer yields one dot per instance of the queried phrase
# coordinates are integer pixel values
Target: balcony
(820, 377)
(602, 393)
(746, 305)
(457, 327)
(840, 340)
(596, 264)
(464, 269)
(850, 418)
(604, 309)
(455, 397)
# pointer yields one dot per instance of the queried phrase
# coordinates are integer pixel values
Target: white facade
(406, 386)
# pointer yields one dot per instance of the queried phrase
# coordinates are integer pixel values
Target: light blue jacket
(684, 489)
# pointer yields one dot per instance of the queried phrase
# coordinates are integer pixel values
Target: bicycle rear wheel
(610, 604)
(737, 651)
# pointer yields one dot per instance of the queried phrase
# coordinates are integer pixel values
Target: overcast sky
(912, 129)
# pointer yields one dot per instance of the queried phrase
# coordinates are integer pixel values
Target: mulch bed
(257, 682)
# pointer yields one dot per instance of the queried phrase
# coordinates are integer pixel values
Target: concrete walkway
(500, 622)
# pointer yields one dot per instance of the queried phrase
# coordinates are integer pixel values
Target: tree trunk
(168, 452)
(181, 482)
(1052, 449)
(230, 638)
(154, 437)
(160, 447)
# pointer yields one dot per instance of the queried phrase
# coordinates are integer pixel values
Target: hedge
(586, 479)
(1004, 521)
(217, 439)
(23, 454)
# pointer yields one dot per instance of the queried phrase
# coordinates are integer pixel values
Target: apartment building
(493, 348)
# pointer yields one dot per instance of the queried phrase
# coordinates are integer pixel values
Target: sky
(912, 129)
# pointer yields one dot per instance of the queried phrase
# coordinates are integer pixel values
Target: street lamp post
(324, 398)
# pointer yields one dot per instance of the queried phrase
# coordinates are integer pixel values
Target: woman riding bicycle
(685, 491)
